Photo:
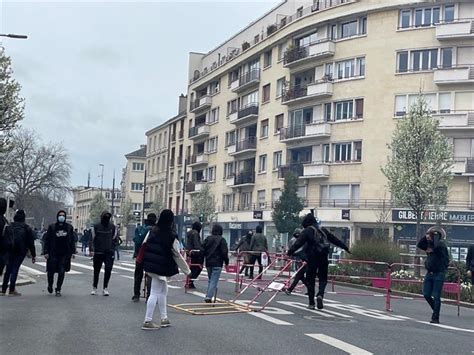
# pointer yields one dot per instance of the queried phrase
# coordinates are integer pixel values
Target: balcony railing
(318, 49)
(181, 134)
(459, 29)
(202, 103)
(246, 144)
(249, 110)
(246, 80)
(455, 74)
(244, 178)
(198, 159)
(294, 169)
(320, 88)
(455, 119)
(198, 131)
(309, 130)
(194, 186)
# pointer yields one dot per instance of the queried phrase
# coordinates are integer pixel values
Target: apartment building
(316, 88)
(82, 200)
(133, 178)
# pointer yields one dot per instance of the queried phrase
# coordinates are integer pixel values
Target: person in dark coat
(23, 241)
(316, 241)
(103, 250)
(243, 246)
(216, 253)
(161, 259)
(300, 256)
(436, 264)
(85, 240)
(258, 245)
(5, 236)
(195, 250)
(59, 247)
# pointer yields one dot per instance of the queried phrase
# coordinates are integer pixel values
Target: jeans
(118, 252)
(108, 260)
(11, 273)
(321, 269)
(159, 292)
(432, 288)
(214, 273)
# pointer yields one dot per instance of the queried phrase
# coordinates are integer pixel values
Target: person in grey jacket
(258, 245)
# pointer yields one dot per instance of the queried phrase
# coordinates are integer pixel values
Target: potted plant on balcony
(245, 46)
(271, 29)
(289, 55)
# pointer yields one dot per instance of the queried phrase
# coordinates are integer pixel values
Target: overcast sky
(97, 75)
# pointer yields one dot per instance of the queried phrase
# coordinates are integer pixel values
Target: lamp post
(11, 35)
(101, 178)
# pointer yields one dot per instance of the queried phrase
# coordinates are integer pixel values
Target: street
(39, 323)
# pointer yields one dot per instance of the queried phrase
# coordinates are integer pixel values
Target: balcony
(179, 160)
(198, 159)
(463, 166)
(194, 186)
(201, 104)
(460, 74)
(248, 145)
(198, 132)
(179, 186)
(461, 29)
(301, 55)
(455, 120)
(244, 114)
(308, 131)
(305, 170)
(246, 81)
(244, 179)
(300, 93)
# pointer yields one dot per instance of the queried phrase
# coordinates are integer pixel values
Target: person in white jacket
(161, 260)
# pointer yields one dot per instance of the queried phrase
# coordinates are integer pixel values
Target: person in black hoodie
(103, 250)
(243, 246)
(195, 250)
(161, 259)
(299, 256)
(436, 264)
(23, 240)
(216, 253)
(316, 241)
(5, 236)
(59, 246)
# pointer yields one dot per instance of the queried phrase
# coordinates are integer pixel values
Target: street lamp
(11, 35)
(102, 178)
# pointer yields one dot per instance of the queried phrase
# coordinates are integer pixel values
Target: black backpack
(321, 243)
(6, 237)
(19, 238)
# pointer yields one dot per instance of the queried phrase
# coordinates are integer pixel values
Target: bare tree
(98, 206)
(32, 168)
(11, 103)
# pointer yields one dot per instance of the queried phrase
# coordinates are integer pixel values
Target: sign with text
(257, 214)
(433, 216)
(346, 214)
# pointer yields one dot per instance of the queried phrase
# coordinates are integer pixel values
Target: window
(212, 145)
(245, 200)
(158, 166)
(402, 62)
(344, 110)
(211, 174)
(281, 50)
(301, 192)
(249, 99)
(279, 122)
(306, 40)
(228, 202)
(359, 108)
(256, 39)
(229, 170)
(136, 186)
(280, 87)
(262, 163)
(327, 112)
(449, 13)
(342, 152)
(138, 166)
(214, 115)
(418, 17)
(360, 66)
(137, 206)
(233, 76)
(277, 159)
(266, 93)
(232, 106)
(299, 12)
(363, 26)
(446, 57)
(345, 69)
(214, 87)
(264, 128)
(230, 138)
(163, 164)
(348, 29)
(267, 59)
(426, 59)
(326, 153)
(261, 198)
(357, 151)
(276, 194)
(444, 102)
(405, 16)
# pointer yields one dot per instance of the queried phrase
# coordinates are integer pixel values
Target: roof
(166, 123)
(140, 153)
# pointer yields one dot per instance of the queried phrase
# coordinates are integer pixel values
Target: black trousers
(319, 268)
(137, 280)
(56, 265)
(257, 258)
(196, 270)
(108, 260)
(300, 276)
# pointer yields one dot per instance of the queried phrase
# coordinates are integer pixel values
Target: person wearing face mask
(103, 250)
(59, 246)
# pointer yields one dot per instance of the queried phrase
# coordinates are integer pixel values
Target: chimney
(182, 106)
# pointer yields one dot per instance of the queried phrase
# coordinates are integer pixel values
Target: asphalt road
(78, 323)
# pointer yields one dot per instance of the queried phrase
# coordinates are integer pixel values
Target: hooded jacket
(23, 236)
(59, 239)
(437, 256)
(103, 235)
(216, 251)
(5, 231)
(258, 242)
(142, 231)
(193, 238)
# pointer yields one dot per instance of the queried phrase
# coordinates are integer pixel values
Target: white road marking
(339, 344)
(71, 272)
(127, 277)
(89, 267)
(446, 326)
(304, 308)
(268, 310)
(123, 268)
(30, 270)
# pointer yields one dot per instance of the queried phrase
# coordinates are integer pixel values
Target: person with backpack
(5, 236)
(216, 254)
(194, 249)
(161, 259)
(243, 246)
(59, 247)
(258, 245)
(85, 240)
(298, 256)
(316, 241)
(103, 235)
(140, 234)
(23, 241)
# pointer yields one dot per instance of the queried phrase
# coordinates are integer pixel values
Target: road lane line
(339, 344)
(127, 277)
(446, 326)
(71, 272)
(305, 308)
(30, 270)
(89, 267)
(123, 268)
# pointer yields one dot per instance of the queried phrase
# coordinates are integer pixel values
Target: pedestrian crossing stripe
(88, 267)
(30, 270)
(71, 272)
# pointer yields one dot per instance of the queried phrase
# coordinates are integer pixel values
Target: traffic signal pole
(144, 196)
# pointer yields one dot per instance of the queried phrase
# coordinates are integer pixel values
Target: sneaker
(319, 301)
(50, 289)
(165, 323)
(434, 321)
(150, 326)
(14, 294)
(207, 300)
(287, 291)
(58, 293)
(106, 292)
(191, 286)
(94, 291)
(311, 306)
(136, 298)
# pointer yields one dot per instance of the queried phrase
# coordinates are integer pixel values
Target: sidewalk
(24, 279)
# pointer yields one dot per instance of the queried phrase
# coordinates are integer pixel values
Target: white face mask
(61, 219)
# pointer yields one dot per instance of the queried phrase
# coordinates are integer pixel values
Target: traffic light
(137, 215)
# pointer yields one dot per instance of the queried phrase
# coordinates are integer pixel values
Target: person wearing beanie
(5, 236)
(103, 250)
(194, 249)
(161, 260)
(59, 246)
(315, 240)
(258, 245)
(298, 256)
(140, 233)
(216, 253)
(436, 264)
(23, 241)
